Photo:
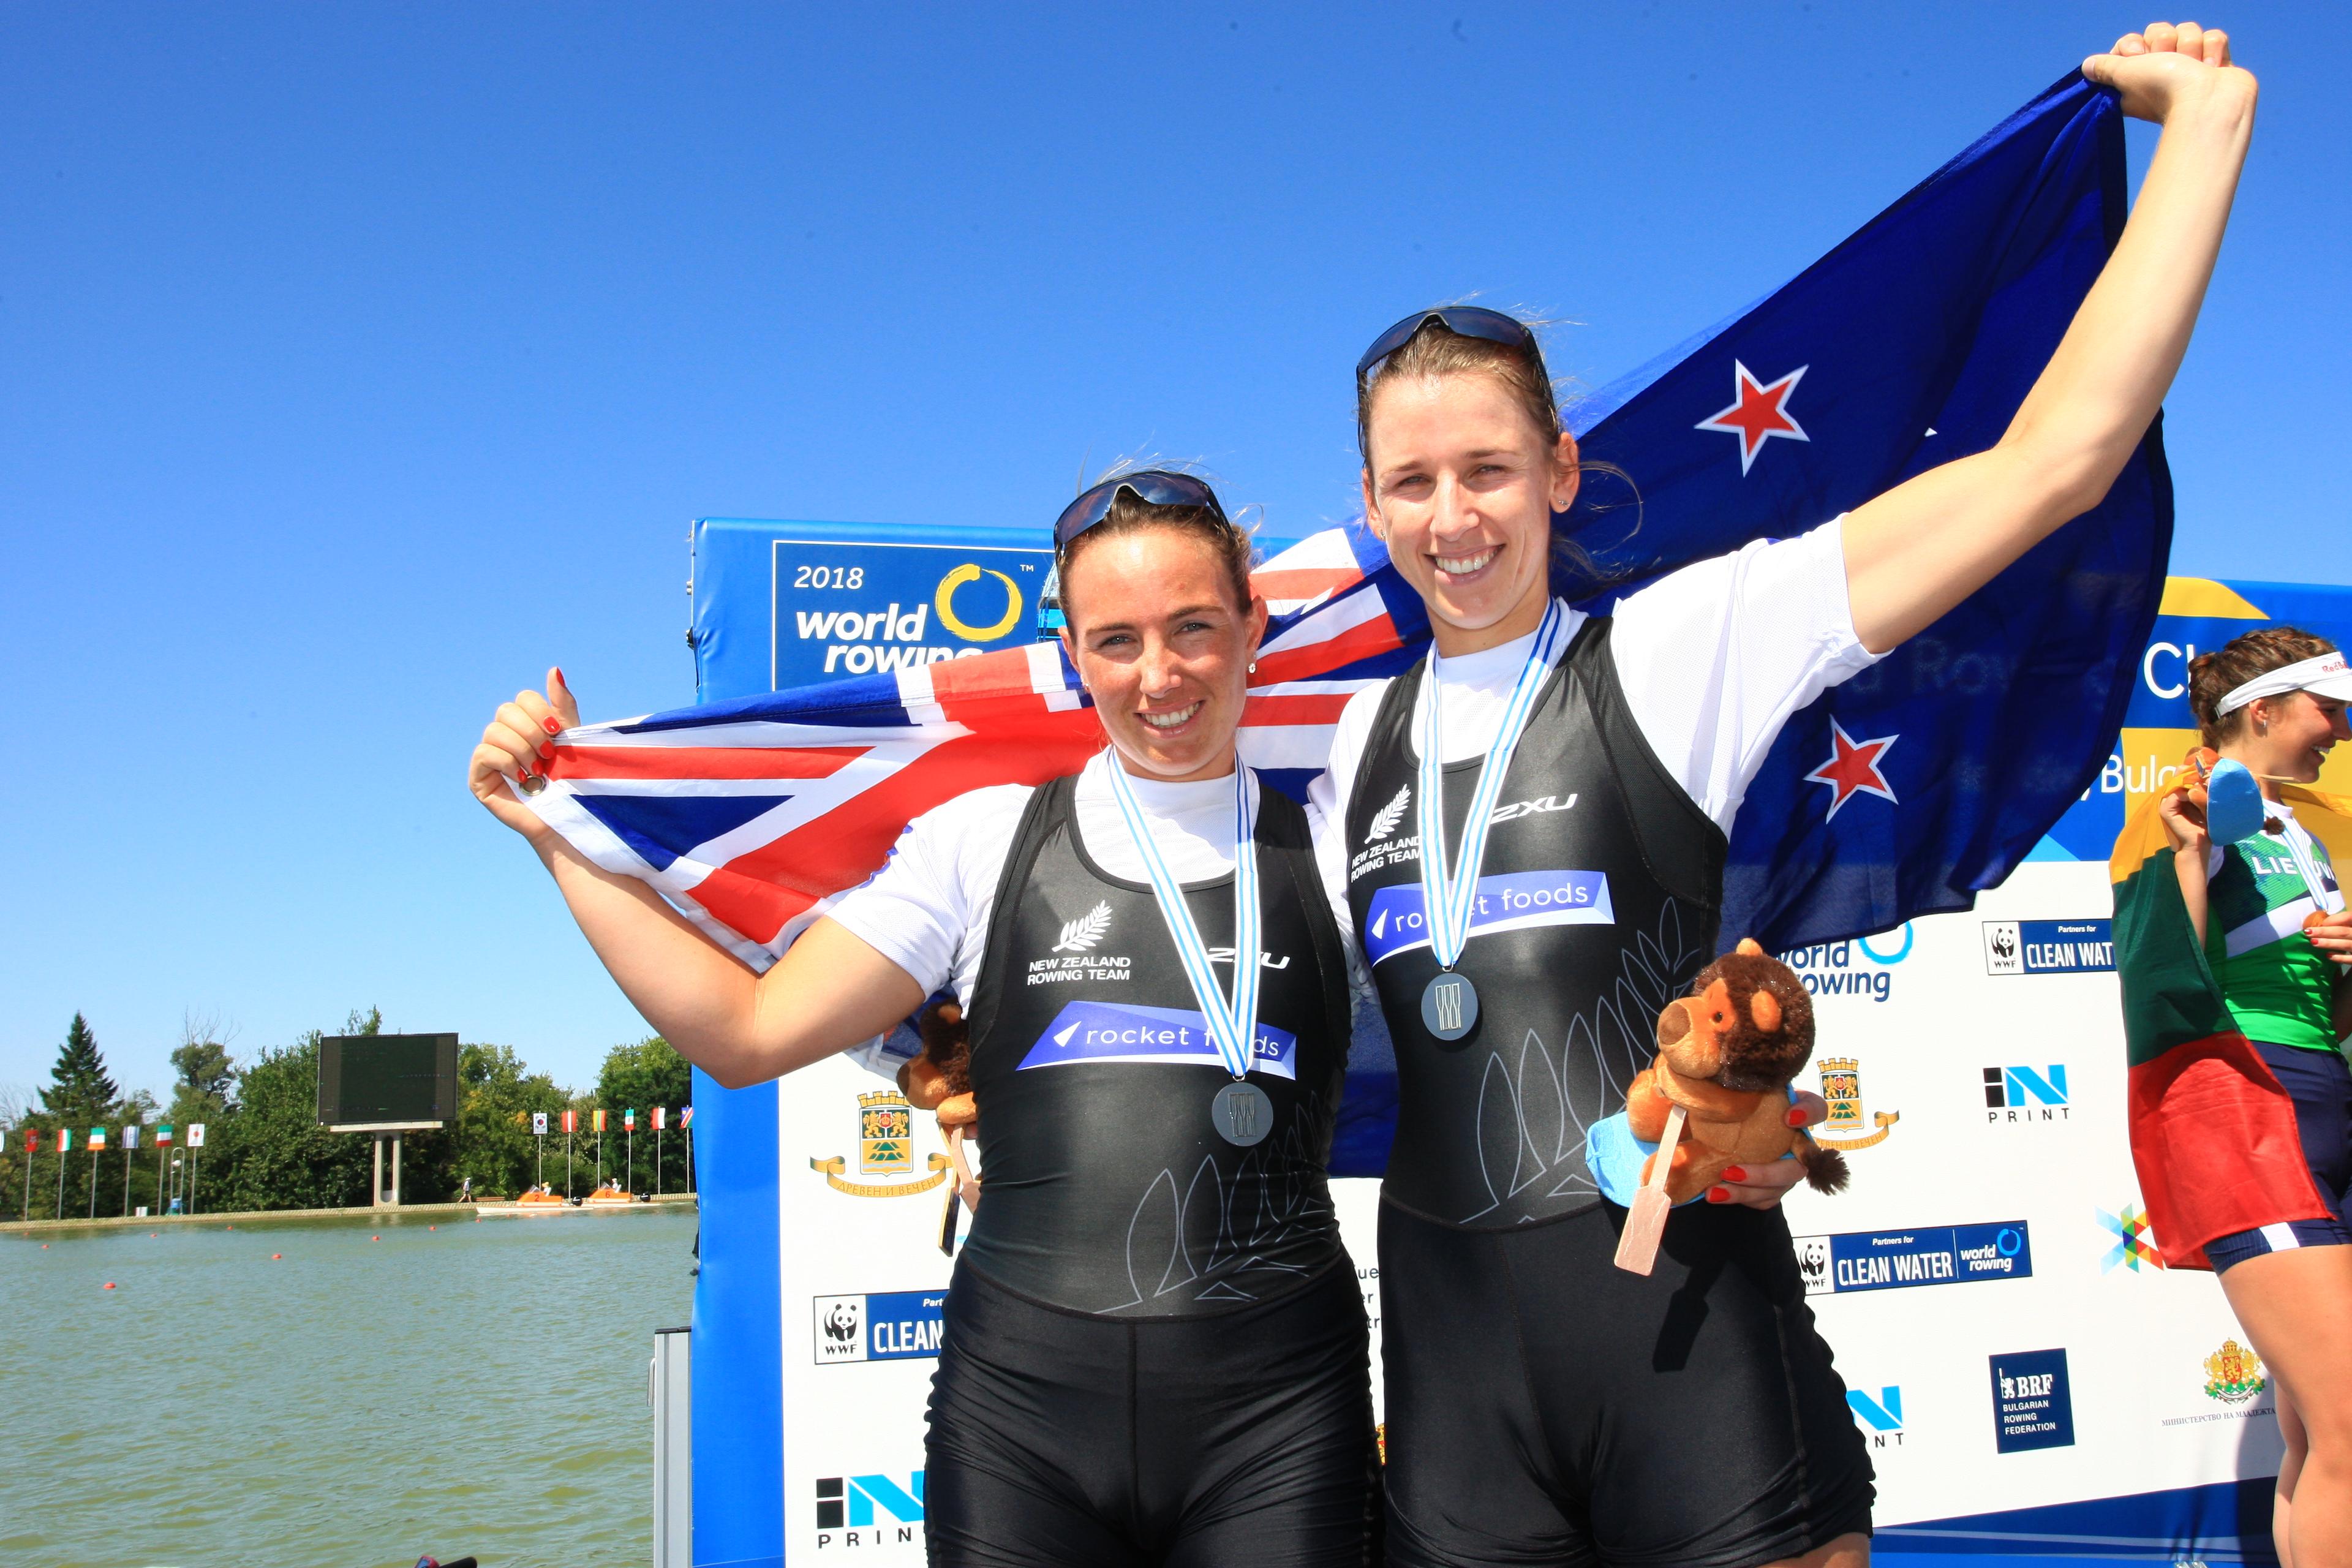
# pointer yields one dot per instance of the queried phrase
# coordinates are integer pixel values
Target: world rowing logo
(1082, 935)
(944, 602)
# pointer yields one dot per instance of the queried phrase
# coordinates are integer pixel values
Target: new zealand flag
(1897, 794)
(1932, 774)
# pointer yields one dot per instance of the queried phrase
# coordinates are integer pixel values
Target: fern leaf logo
(1384, 820)
(1081, 934)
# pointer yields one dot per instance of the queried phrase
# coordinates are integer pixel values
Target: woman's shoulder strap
(1049, 807)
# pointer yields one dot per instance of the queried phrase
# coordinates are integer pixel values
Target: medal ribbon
(1233, 1028)
(1446, 899)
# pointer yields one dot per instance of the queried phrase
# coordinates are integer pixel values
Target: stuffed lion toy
(1725, 1054)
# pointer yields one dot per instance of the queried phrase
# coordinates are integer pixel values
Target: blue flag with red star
(1931, 775)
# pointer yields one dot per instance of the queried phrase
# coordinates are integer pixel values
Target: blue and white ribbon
(1233, 1027)
(1449, 897)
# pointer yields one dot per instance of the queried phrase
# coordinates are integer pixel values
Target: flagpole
(126, 1184)
(657, 1133)
(567, 1164)
(94, 1153)
(630, 1141)
(541, 1179)
(61, 1184)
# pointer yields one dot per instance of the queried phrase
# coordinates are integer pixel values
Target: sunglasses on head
(1464, 321)
(1154, 486)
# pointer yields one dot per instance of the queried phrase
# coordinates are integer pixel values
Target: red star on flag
(1853, 768)
(1757, 413)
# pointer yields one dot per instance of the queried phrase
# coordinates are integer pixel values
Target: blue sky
(355, 364)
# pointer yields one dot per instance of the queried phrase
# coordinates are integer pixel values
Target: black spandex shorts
(1058, 1438)
(2321, 1087)
(1545, 1407)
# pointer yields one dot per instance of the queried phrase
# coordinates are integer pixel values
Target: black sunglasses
(1154, 486)
(1464, 321)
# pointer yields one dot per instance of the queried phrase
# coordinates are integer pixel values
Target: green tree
(80, 1091)
(638, 1078)
(203, 1075)
(494, 1144)
(15, 1176)
(269, 1151)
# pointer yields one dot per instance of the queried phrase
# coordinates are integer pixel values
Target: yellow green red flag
(2213, 1133)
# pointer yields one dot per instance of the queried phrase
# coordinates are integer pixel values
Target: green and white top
(2279, 986)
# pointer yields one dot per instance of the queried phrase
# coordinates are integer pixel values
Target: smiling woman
(1162, 624)
(1523, 1371)
(1156, 1266)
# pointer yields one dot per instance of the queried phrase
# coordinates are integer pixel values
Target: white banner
(1998, 1317)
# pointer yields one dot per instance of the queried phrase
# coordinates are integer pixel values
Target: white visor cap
(2327, 676)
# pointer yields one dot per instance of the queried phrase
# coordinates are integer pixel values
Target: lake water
(457, 1386)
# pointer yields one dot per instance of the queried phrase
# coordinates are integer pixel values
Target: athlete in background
(2273, 699)
(1543, 1406)
(1155, 1351)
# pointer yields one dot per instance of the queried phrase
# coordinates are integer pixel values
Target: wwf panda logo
(1813, 1261)
(841, 1324)
(2004, 946)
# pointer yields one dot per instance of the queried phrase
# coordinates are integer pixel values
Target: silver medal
(1242, 1113)
(1449, 1006)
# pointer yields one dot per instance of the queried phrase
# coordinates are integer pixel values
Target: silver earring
(1252, 668)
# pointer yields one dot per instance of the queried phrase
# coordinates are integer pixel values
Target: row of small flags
(96, 1139)
(542, 1123)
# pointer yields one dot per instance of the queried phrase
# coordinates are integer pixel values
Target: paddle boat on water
(541, 1199)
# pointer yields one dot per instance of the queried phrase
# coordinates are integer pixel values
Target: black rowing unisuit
(1107, 1188)
(1599, 901)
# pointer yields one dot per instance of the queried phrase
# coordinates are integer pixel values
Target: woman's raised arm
(1918, 551)
(829, 992)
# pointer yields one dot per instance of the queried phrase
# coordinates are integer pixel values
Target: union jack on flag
(752, 815)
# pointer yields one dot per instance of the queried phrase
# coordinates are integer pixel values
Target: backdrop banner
(2030, 1379)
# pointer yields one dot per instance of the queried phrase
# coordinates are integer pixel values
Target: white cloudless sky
(357, 363)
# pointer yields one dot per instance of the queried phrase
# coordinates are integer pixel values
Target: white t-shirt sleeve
(1713, 658)
(1327, 817)
(926, 909)
(1327, 803)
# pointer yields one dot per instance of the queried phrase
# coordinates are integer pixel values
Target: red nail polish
(547, 750)
(1796, 1117)
(551, 727)
(560, 679)
(1719, 1195)
(1734, 1174)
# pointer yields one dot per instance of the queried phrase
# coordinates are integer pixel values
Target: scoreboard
(382, 1082)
